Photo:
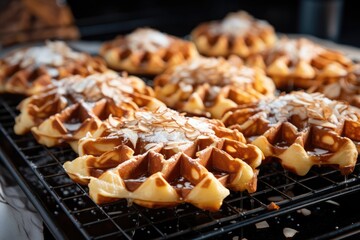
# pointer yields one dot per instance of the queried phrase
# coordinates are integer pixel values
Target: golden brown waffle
(301, 130)
(162, 158)
(210, 86)
(238, 33)
(70, 108)
(24, 21)
(28, 71)
(346, 89)
(146, 51)
(301, 63)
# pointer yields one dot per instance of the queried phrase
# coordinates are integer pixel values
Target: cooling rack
(69, 212)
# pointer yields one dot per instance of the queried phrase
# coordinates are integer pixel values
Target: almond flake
(333, 202)
(261, 225)
(304, 211)
(289, 232)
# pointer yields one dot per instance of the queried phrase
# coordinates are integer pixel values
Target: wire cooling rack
(69, 212)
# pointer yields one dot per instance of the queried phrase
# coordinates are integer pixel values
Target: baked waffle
(70, 108)
(238, 33)
(161, 158)
(301, 130)
(346, 89)
(28, 71)
(210, 86)
(146, 51)
(301, 63)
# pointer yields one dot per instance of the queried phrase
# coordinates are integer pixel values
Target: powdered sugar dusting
(164, 136)
(164, 126)
(214, 71)
(97, 86)
(298, 49)
(147, 39)
(237, 24)
(313, 108)
(52, 54)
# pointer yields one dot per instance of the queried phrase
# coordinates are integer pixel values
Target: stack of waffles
(208, 124)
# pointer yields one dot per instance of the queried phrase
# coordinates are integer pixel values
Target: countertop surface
(18, 218)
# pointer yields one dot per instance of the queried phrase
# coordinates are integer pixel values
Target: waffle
(301, 63)
(146, 51)
(210, 86)
(301, 130)
(28, 71)
(161, 158)
(70, 108)
(346, 89)
(238, 33)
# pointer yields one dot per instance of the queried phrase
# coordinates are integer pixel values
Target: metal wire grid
(121, 220)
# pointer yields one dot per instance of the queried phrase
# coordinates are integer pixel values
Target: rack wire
(34, 164)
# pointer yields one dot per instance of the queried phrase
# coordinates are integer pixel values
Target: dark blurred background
(337, 20)
(332, 19)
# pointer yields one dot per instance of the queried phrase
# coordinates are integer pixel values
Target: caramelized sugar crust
(70, 108)
(346, 89)
(238, 33)
(146, 51)
(301, 63)
(162, 158)
(210, 86)
(301, 130)
(28, 71)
